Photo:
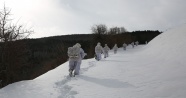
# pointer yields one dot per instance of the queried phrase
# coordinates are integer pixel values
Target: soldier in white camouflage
(106, 50)
(115, 48)
(124, 46)
(76, 54)
(98, 51)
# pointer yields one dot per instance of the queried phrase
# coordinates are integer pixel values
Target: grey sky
(61, 17)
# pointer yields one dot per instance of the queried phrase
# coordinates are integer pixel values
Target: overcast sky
(62, 17)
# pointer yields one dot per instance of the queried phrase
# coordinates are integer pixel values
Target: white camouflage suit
(106, 49)
(124, 46)
(98, 51)
(115, 48)
(75, 62)
(136, 43)
(132, 44)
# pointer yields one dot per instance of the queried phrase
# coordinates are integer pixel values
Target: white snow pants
(74, 66)
(98, 56)
(105, 54)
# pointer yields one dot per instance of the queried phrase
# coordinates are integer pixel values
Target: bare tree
(99, 29)
(8, 32)
(123, 30)
(114, 30)
(117, 30)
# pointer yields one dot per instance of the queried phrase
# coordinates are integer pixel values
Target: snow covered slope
(170, 43)
(157, 70)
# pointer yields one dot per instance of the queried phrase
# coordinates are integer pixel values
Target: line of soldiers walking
(99, 49)
(105, 50)
(76, 54)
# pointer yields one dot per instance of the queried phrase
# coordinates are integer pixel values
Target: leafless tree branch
(9, 32)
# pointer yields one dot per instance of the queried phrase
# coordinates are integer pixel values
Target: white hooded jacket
(98, 49)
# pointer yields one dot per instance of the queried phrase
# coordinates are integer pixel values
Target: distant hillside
(29, 58)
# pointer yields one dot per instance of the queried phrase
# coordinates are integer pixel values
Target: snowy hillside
(156, 70)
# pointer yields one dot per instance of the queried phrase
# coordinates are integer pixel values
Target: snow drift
(170, 44)
(167, 52)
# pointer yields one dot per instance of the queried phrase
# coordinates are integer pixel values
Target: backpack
(73, 51)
